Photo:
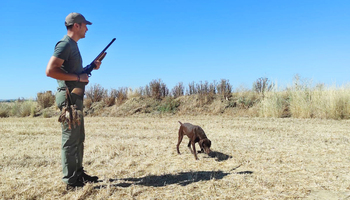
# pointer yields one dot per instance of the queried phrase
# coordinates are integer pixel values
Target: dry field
(135, 158)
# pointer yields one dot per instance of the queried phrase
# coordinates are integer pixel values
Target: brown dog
(195, 134)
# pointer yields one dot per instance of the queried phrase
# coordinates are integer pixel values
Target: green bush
(169, 105)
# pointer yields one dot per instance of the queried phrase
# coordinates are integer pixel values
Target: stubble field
(136, 158)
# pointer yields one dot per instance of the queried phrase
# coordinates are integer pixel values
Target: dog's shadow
(219, 156)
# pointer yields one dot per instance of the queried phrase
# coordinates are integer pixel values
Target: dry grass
(135, 157)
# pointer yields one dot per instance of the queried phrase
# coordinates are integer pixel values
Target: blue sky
(179, 41)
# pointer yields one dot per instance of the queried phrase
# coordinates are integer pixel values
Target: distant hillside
(7, 100)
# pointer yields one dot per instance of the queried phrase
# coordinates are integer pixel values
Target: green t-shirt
(67, 50)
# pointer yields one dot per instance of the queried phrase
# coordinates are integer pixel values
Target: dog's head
(205, 145)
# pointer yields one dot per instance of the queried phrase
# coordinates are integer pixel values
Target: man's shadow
(182, 178)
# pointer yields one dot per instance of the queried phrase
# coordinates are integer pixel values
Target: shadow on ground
(183, 179)
(219, 156)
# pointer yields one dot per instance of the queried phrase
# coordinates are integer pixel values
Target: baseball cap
(76, 18)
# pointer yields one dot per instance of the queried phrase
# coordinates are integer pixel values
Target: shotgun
(88, 69)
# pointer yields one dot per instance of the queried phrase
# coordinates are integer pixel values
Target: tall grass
(333, 103)
(272, 105)
(4, 110)
(28, 109)
(300, 104)
(307, 102)
(18, 108)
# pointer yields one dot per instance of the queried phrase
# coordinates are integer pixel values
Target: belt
(77, 91)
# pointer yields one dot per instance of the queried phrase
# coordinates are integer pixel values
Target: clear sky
(179, 41)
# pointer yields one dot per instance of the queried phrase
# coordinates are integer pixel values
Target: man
(66, 66)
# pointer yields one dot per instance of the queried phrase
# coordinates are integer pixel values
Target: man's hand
(84, 78)
(97, 62)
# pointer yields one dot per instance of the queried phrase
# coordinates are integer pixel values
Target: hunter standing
(65, 65)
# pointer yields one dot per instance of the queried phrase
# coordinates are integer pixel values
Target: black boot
(76, 185)
(88, 179)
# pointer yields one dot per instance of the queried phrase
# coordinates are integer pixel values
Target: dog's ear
(205, 142)
(201, 143)
(209, 143)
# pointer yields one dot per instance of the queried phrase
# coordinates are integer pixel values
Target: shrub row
(301, 100)
(158, 90)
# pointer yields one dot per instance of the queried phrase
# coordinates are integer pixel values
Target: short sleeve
(62, 50)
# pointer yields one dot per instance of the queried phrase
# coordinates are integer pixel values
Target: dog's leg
(194, 150)
(189, 146)
(201, 146)
(181, 135)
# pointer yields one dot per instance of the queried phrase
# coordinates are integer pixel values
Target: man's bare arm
(53, 70)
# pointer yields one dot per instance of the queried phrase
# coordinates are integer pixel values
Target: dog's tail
(180, 123)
